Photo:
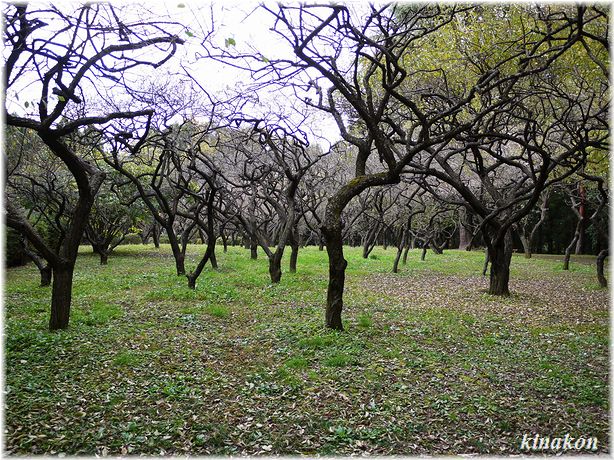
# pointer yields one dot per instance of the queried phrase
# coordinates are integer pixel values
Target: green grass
(429, 363)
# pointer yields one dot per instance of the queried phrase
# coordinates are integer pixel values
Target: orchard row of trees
(460, 126)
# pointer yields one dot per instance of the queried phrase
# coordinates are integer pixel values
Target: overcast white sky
(248, 25)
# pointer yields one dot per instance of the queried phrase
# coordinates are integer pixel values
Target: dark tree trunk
(46, 273)
(405, 251)
(424, 248)
(43, 266)
(403, 236)
(486, 261)
(464, 235)
(225, 242)
(155, 234)
(336, 275)
(464, 238)
(321, 244)
(574, 240)
(582, 212)
(192, 277)
(275, 266)
(437, 249)
(293, 257)
(61, 296)
(213, 258)
(370, 242)
(104, 257)
(526, 245)
(395, 266)
(253, 246)
(603, 282)
(500, 255)
(177, 253)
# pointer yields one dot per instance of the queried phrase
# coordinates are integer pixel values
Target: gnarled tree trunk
(500, 255)
(294, 245)
(603, 282)
(61, 296)
(275, 266)
(336, 274)
(177, 253)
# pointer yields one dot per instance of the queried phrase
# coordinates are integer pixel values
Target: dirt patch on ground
(538, 302)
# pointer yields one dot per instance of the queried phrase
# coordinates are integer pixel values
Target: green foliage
(219, 311)
(365, 320)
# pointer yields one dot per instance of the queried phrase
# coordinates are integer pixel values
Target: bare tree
(61, 50)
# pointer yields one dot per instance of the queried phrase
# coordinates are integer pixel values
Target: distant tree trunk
(46, 273)
(103, 252)
(370, 241)
(403, 236)
(572, 244)
(603, 282)
(424, 249)
(294, 245)
(405, 251)
(582, 212)
(155, 234)
(527, 238)
(464, 235)
(144, 235)
(43, 266)
(321, 244)
(397, 258)
(486, 261)
(525, 245)
(224, 242)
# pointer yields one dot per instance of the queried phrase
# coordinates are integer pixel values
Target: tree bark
(582, 212)
(61, 296)
(603, 282)
(500, 255)
(43, 266)
(155, 234)
(253, 249)
(424, 248)
(464, 235)
(46, 274)
(336, 275)
(405, 251)
(525, 245)
(177, 253)
(486, 262)
(293, 257)
(569, 248)
(395, 265)
(192, 277)
(275, 266)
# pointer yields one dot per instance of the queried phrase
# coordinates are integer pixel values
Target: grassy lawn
(429, 363)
